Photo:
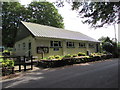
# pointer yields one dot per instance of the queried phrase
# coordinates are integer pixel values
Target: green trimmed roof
(39, 30)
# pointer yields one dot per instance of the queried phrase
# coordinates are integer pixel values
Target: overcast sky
(73, 22)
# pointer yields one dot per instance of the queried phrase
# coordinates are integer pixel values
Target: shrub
(75, 55)
(81, 54)
(51, 57)
(67, 56)
(7, 63)
(57, 56)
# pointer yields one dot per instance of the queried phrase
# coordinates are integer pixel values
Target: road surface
(101, 74)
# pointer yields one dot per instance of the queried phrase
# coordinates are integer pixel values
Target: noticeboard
(42, 50)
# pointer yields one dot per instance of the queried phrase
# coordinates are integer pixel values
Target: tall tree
(12, 12)
(38, 12)
(45, 13)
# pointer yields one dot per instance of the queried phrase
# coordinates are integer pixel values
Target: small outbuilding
(37, 40)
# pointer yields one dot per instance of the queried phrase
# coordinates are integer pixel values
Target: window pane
(70, 44)
(60, 43)
(55, 43)
(81, 44)
(51, 43)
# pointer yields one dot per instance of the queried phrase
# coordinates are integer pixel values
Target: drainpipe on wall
(64, 52)
(87, 49)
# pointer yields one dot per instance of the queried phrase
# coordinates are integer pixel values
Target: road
(101, 74)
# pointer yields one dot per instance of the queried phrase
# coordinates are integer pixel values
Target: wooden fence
(19, 61)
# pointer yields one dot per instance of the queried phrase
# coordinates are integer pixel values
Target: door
(97, 48)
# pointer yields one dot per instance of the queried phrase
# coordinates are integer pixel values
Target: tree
(12, 12)
(97, 14)
(102, 38)
(38, 12)
(109, 46)
(45, 13)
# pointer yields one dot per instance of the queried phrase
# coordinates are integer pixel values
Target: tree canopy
(45, 13)
(38, 12)
(12, 12)
(109, 46)
(97, 14)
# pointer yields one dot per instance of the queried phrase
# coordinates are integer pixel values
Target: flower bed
(55, 61)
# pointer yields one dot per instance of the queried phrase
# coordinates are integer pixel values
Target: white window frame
(70, 44)
(58, 44)
(91, 45)
(82, 45)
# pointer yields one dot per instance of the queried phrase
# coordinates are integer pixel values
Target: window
(82, 45)
(70, 44)
(55, 43)
(23, 46)
(91, 45)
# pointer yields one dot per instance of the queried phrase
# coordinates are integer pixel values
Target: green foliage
(96, 54)
(68, 56)
(110, 46)
(6, 51)
(98, 13)
(57, 56)
(7, 63)
(45, 13)
(102, 39)
(107, 46)
(104, 52)
(75, 55)
(1, 59)
(12, 12)
(1, 56)
(38, 12)
(51, 57)
(81, 54)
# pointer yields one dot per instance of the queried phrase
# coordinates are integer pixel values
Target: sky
(73, 22)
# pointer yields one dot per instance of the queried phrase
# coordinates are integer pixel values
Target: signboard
(42, 50)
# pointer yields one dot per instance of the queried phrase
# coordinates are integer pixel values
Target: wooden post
(19, 59)
(42, 54)
(13, 70)
(31, 63)
(24, 63)
(3, 71)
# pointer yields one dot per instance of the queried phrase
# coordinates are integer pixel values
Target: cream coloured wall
(24, 51)
(73, 50)
(46, 42)
(37, 41)
(64, 50)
